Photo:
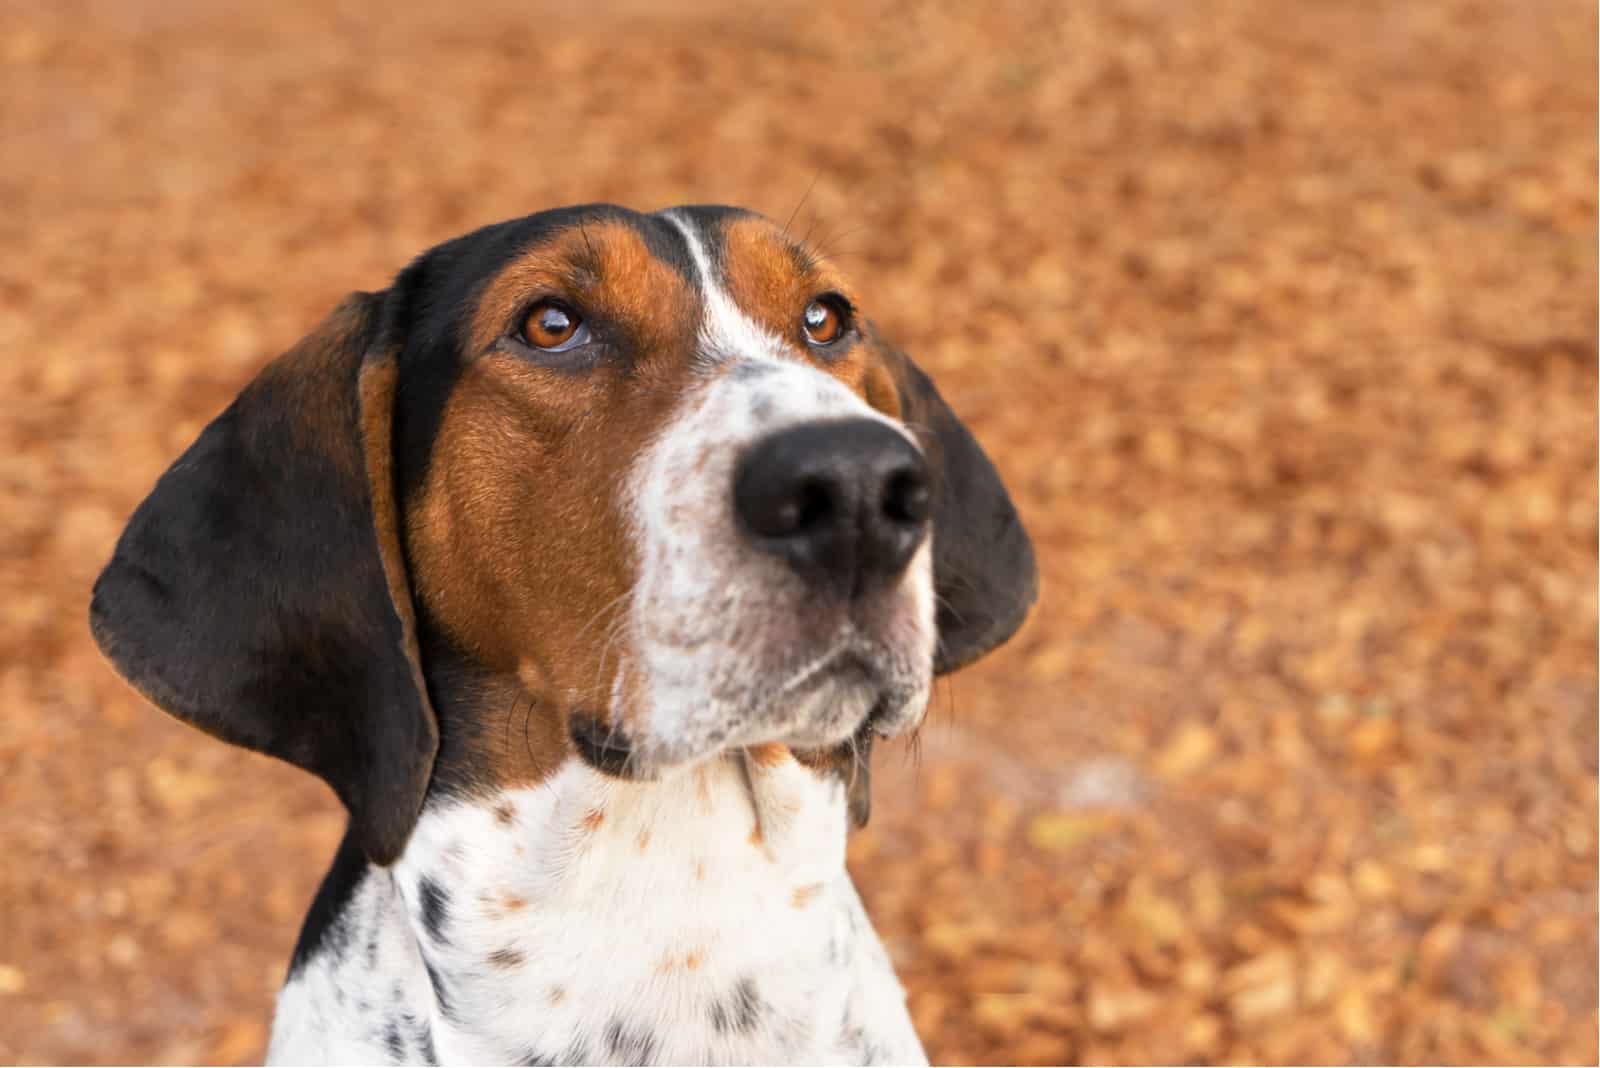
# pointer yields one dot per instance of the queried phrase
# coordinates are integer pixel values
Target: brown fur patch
(688, 962)
(769, 755)
(505, 814)
(513, 903)
(557, 995)
(804, 895)
(593, 819)
(773, 279)
(644, 841)
(519, 539)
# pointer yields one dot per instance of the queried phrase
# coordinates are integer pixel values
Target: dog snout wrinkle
(844, 502)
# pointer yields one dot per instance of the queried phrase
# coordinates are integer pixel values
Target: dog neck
(704, 915)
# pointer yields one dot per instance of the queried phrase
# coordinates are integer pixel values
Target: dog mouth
(604, 748)
(823, 704)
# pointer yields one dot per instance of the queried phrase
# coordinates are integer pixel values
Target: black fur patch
(740, 1013)
(984, 573)
(629, 1046)
(393, 1043)
(441, 993)
(325, 924)
(422, 1033)
(435, 902)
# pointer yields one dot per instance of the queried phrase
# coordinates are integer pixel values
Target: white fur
(615, 908)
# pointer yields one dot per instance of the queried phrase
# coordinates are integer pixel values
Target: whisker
(803, 198)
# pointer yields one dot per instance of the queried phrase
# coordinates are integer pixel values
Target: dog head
(637, 489)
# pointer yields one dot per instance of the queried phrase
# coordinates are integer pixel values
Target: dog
(584, 563)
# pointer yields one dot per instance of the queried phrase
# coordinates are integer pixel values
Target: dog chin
(824, 706)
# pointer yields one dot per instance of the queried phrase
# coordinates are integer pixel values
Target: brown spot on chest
(804, 895)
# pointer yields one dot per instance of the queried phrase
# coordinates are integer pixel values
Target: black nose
(845, 503)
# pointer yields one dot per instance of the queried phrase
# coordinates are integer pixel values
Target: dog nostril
(906, 498)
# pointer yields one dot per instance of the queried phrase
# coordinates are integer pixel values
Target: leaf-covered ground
(1279, 318)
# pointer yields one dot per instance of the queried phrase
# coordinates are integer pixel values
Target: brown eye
(824, 320)
(553, 326)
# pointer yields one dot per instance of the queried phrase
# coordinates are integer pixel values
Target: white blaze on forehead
(726, 332)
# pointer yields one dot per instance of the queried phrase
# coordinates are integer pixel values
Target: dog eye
(825, 320)
(554, 327)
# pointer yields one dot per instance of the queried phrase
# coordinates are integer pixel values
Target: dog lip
(843, 661)
(602, 748)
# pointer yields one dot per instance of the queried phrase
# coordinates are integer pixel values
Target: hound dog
(583, 563)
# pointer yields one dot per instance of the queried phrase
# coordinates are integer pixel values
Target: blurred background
(1278, 318)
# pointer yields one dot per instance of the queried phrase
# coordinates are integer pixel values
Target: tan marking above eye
(550, 324)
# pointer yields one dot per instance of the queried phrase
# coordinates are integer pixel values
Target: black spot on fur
(435, 901)
(441, 993)
(741, 1012)
(628, 1046)
(506, 958)
(423, 1035)
(394, 1044)
(748, 370)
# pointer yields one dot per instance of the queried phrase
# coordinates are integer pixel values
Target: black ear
(260, 594)
(983, 568)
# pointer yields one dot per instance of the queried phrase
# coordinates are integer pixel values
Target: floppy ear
(983, 568)
(260, 593)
